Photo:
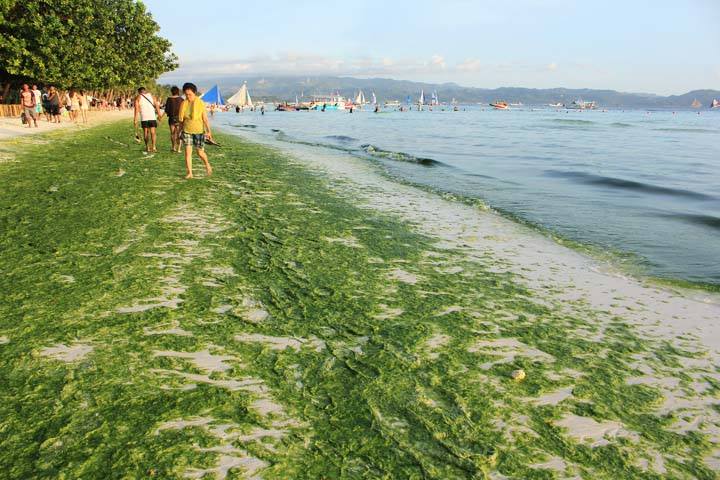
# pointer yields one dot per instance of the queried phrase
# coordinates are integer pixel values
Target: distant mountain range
(287, 87)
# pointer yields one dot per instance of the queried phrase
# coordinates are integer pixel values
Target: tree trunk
(5, 91)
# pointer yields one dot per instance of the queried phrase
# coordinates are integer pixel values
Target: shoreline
(293, 310)
(581, 266)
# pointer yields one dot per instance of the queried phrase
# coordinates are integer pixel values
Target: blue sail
(213, 96)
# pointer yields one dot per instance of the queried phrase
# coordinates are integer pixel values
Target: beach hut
(241, 98)
(213, 96)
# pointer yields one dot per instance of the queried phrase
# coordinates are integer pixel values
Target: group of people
(187, 119)
(35, 102)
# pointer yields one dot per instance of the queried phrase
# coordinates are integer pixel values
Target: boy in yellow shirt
(195, 126)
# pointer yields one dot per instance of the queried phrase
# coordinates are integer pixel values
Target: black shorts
(149, 124)
(173, 121)
(54, 109)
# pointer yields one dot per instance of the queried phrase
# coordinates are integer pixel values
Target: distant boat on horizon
(556, 105)
(581, 105)
(696, 104)
(434, 99)
(500, 105)
(360, 98)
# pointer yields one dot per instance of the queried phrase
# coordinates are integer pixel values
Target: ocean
(644, 186)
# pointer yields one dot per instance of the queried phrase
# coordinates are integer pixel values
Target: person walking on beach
(84, 106)
(172, 110)
(27, 99)
(146, 107)
(195, 126)
(75, 104)
(38, 101)
(67, 103)
(46, 105)
(54, 104)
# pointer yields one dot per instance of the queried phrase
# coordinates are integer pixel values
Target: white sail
(360, 99)
(374, 98)
(421, 100)
(241, 98)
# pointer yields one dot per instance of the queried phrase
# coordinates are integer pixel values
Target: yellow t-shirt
(191, 116)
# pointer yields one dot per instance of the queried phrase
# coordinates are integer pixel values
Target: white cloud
(305, 64)
(438, 61)
(469, 65)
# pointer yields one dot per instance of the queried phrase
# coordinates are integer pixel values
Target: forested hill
(287, 87)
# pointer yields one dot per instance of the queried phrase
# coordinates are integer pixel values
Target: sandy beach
(301, 315)
(11, 127)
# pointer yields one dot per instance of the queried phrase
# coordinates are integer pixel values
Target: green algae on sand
(254, 325)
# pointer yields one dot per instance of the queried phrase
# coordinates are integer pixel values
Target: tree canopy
(91, 44)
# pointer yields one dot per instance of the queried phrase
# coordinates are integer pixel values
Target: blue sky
(659, 46)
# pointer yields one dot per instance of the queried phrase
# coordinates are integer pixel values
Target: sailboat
(360, 99)
(715, 103)
(434, 99)
(241, 97)
(421, 100)
(696, 104)
(374, 99)
(213, 96)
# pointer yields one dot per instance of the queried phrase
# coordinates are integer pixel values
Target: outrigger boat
(331, 102)
(286, 107)
(500, 105)
(581, 105)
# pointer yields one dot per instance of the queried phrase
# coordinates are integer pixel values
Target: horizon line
(218, 77)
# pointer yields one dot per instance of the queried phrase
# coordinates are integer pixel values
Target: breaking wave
(613, 182)
(374, 151)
